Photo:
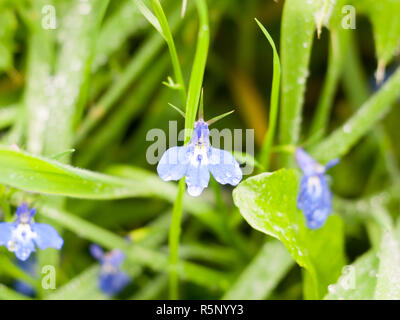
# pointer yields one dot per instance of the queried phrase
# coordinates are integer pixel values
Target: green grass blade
(298, 27)
(337, 49)
(262, 274)
(38, 174)
(148, 15)
(166, 32)
(274, 103)
(342, 139)
(122, 24)
(9, 294)
(136, 254)
(199, 65)
(133, 71)
(116, 125)
(8, 115)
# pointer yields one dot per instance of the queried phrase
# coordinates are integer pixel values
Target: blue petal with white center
(224, 167)
(5, 233)
(173, 164)
(21, 236)
(111, 279)
(197, 176)
(315, 196)
(47, 236)
(197, 160)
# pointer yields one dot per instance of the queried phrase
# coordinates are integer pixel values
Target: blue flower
(111, 280)
(21, 235)
(197, 160)
(315, 197)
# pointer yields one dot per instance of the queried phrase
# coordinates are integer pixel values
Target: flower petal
(316, 219)
(24, 249)
(315, 200)
(47, 236)
(5, 232)
(96, 251)
(224, 167)
(22, 208)
(116, 258)
(197, 178)
(173, 163)
(331, 164)
(113, 283)
(306, 163)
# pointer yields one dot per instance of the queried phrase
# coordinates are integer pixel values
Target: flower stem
(193, 96)
(174, 235)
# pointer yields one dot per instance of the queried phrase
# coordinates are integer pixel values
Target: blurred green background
(94, 84)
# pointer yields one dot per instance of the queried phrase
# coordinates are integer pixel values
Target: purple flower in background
(315, 197)
(111, 280)
(197, 160)
(21, 235)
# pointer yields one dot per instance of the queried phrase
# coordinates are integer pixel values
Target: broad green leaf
(262, 274)
(388, 283)
(357, 281)
(268, 203)
(375, 275)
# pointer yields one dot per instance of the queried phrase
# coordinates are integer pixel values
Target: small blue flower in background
(21, 235)
(315, 197)
(197, 160)
(30, 267)
(111, 280)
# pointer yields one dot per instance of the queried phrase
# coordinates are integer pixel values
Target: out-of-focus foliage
(84, 83)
